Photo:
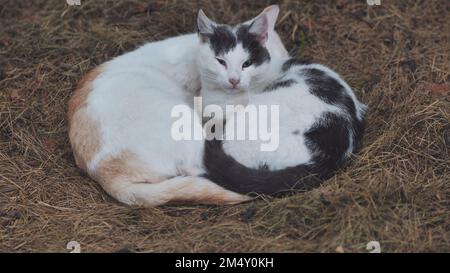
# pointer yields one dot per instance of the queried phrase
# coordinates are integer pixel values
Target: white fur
(133, 94)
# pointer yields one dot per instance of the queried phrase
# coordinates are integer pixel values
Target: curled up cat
(120, 124)
(120, 118)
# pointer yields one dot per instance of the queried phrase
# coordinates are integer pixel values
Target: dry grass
(396, 190)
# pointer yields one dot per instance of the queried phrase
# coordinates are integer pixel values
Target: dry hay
(396, 190)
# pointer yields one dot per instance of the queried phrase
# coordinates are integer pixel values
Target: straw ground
(395, 191)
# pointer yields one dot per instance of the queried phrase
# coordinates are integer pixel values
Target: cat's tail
(232, 175)
(176, 190)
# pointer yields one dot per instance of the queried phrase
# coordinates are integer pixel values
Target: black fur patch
(225, 171)
(328, 89)
(222, 40)
(293, 62)
(328, 139)
(258, 53)
(279, 84)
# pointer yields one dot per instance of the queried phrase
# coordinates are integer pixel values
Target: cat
(120, 123)
(321, 121)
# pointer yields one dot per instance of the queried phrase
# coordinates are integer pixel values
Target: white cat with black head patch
(120, 125)
(320, 122)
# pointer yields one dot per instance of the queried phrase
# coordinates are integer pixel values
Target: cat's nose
(234, 82)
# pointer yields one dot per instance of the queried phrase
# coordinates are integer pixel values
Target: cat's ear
(272, 14)
(205, 26)
(260, 28)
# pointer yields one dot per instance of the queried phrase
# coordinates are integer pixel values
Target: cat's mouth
(233, 89)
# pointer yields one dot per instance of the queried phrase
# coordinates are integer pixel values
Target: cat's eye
(247, 64)
(222, 62)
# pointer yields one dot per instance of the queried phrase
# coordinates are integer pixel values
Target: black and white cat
(120, 117)
(320, 118)
(120, 124)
